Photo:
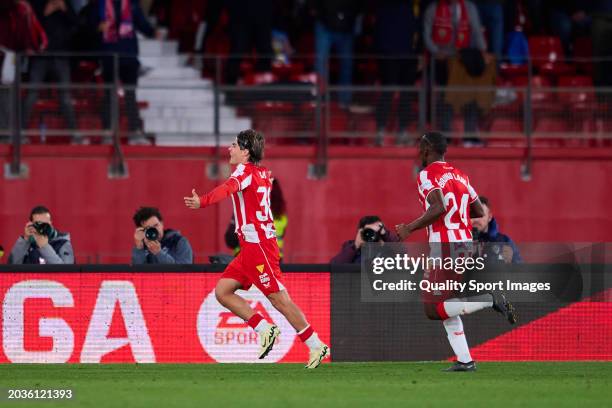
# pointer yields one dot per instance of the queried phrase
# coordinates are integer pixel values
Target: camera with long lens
(370, 235)
(151, 233)
(43, 228)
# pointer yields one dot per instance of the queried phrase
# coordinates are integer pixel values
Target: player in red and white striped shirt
(447, 196)
(258, 260)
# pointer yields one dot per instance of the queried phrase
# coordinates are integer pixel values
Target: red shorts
(437, 276)
(445, 250)
(257, 264)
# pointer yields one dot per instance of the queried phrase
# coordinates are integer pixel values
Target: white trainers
(318, 355)
(267, 340)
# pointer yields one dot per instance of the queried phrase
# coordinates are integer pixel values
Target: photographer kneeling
(369, 229)
(41, 243)
(154, 245)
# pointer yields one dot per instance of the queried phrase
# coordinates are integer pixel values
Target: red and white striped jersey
(455, 225)
(252, 211)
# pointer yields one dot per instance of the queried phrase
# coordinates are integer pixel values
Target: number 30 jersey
(252, 212)
(455, 225)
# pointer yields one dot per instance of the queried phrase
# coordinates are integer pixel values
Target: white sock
(262, 326)
(456, 338)
(456, 307)
(313, 342)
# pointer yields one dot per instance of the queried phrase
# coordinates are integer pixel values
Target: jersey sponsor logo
(228, 339)
(264, 278)
(260, 268)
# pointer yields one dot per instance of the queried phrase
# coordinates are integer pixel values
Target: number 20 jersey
(252, 212)
(455, 225)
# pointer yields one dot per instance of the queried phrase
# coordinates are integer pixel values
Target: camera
(370, 235)
(43, 228)
(151, 233)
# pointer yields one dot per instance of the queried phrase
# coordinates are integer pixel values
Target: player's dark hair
(368, 219)
(484, 200)
(39, 209)
(252, 141)
(144, 213)
(437, 141)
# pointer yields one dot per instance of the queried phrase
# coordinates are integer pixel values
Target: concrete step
(175, 96)
(149, 47)
(181, 139)
(194, 125)
(206, 112)
(165, 61)
(173, 73)
(191, 83)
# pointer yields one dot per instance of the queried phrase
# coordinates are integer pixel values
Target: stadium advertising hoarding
(124, 317)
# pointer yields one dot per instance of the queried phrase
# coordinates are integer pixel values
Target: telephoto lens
(369, 235)
(43, 228)
(151, 233)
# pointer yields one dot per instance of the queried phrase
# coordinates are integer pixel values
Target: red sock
(306, 333)
(254, 320)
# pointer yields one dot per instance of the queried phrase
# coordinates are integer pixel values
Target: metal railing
(196, 105)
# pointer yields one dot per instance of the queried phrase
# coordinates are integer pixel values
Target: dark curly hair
(144, 213)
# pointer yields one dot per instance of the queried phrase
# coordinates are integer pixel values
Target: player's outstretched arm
(217, 194)
(436, 210)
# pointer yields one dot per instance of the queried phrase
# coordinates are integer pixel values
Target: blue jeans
(343, 43)
(492, 17)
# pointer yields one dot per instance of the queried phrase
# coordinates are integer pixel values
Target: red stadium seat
(542, 96)
(258, 78)
(512, 70)
(543, 49)
(310, 77)
(548, 57)
(581, 98)
(287, 71)
(583, 52)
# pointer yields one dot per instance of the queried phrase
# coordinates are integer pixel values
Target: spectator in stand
(250, 25)
(20, 31)
(492, 17)
(116, 22)
(397, 38)
(41, 243)
(568, 19)
(495, 247)
(601, 32)
(452, 30)
(369, 229)
(59, 22)
(155, 245)
(337, 23)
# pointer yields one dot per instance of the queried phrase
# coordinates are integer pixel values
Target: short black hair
(254, 142)
(39, 209)
(437, 141)
(484, 200)
(368, 219)
(144, 213)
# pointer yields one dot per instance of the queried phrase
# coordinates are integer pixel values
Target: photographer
(492, 244)
(369, 229)
(41, 243)
(154, 245)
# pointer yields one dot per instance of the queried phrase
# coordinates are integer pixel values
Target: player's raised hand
(192, 202)
(403, 230)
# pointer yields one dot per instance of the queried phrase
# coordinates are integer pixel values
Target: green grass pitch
(331, 385)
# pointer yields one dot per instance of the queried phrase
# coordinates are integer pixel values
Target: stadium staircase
(180, 108)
